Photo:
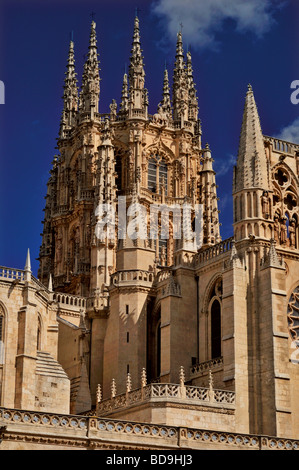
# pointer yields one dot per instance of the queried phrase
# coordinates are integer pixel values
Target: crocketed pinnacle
(180, 83)
(251, 168)
(124, 95)
(90, 91)
(193, 101)
(70, 93)
(166, 102)
(136, 69)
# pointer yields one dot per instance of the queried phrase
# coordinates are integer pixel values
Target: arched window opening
(215, 329)
(157, 174)
(152, 175)
(38, 337)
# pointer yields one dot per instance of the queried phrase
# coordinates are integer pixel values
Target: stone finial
(182, 376)
(272, 259)
(113, 388)
(143, 378)
(211, 380)
(99, 394)
(211, 386)
(50, 284)
(182, 383)
(27, 268)
(129, 383)
(28, 262)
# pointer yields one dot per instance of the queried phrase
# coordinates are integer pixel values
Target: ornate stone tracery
(293, 315)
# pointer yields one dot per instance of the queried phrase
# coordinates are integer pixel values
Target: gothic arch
(215, 325)
(39, 332)
(162, 150)
(209, 289)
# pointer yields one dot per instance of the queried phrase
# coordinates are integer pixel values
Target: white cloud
(290, 133)
(222, 167)
(202, 19)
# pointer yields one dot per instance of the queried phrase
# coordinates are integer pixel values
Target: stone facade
(201, 343)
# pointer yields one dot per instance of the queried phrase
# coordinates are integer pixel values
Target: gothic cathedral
(154, 329)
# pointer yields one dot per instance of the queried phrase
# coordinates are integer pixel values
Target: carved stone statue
(265, 205)
(292, 233)
(283, 231)
(276, 229)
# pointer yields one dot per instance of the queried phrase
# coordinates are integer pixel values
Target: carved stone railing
(69, 299)
(154, 391)
(132, 276)
(12, 274)
(84, 431)
(86, 195)
(205, 367)
(282, 145)
(213, 252)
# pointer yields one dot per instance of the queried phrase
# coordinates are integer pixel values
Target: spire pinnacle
(180, 84)
(252, 161)
(70, 94)
(124, 95)
(165, 102)
(90, 91)
(138, 94)
(193, 101)
(28, 262)
(27, 268)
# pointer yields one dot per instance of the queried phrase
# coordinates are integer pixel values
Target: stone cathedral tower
(130, 321)
(148, 160)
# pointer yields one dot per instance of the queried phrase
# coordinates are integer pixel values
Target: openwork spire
(251, 168)
(70, 94)
(90, 91)
(180, 84)
(138, 95)
(136, 60)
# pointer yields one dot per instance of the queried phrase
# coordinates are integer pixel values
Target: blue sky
(232, 42)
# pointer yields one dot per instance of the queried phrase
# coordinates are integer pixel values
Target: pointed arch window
(38, 339)
(215, 329)
(157, 174)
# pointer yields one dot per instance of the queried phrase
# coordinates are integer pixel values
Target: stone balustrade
(69, 300)
(154, 391)
(213, 252)
(12, 274)
(204, 367)
(282, 145)
(44, 429)
(132, 276)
